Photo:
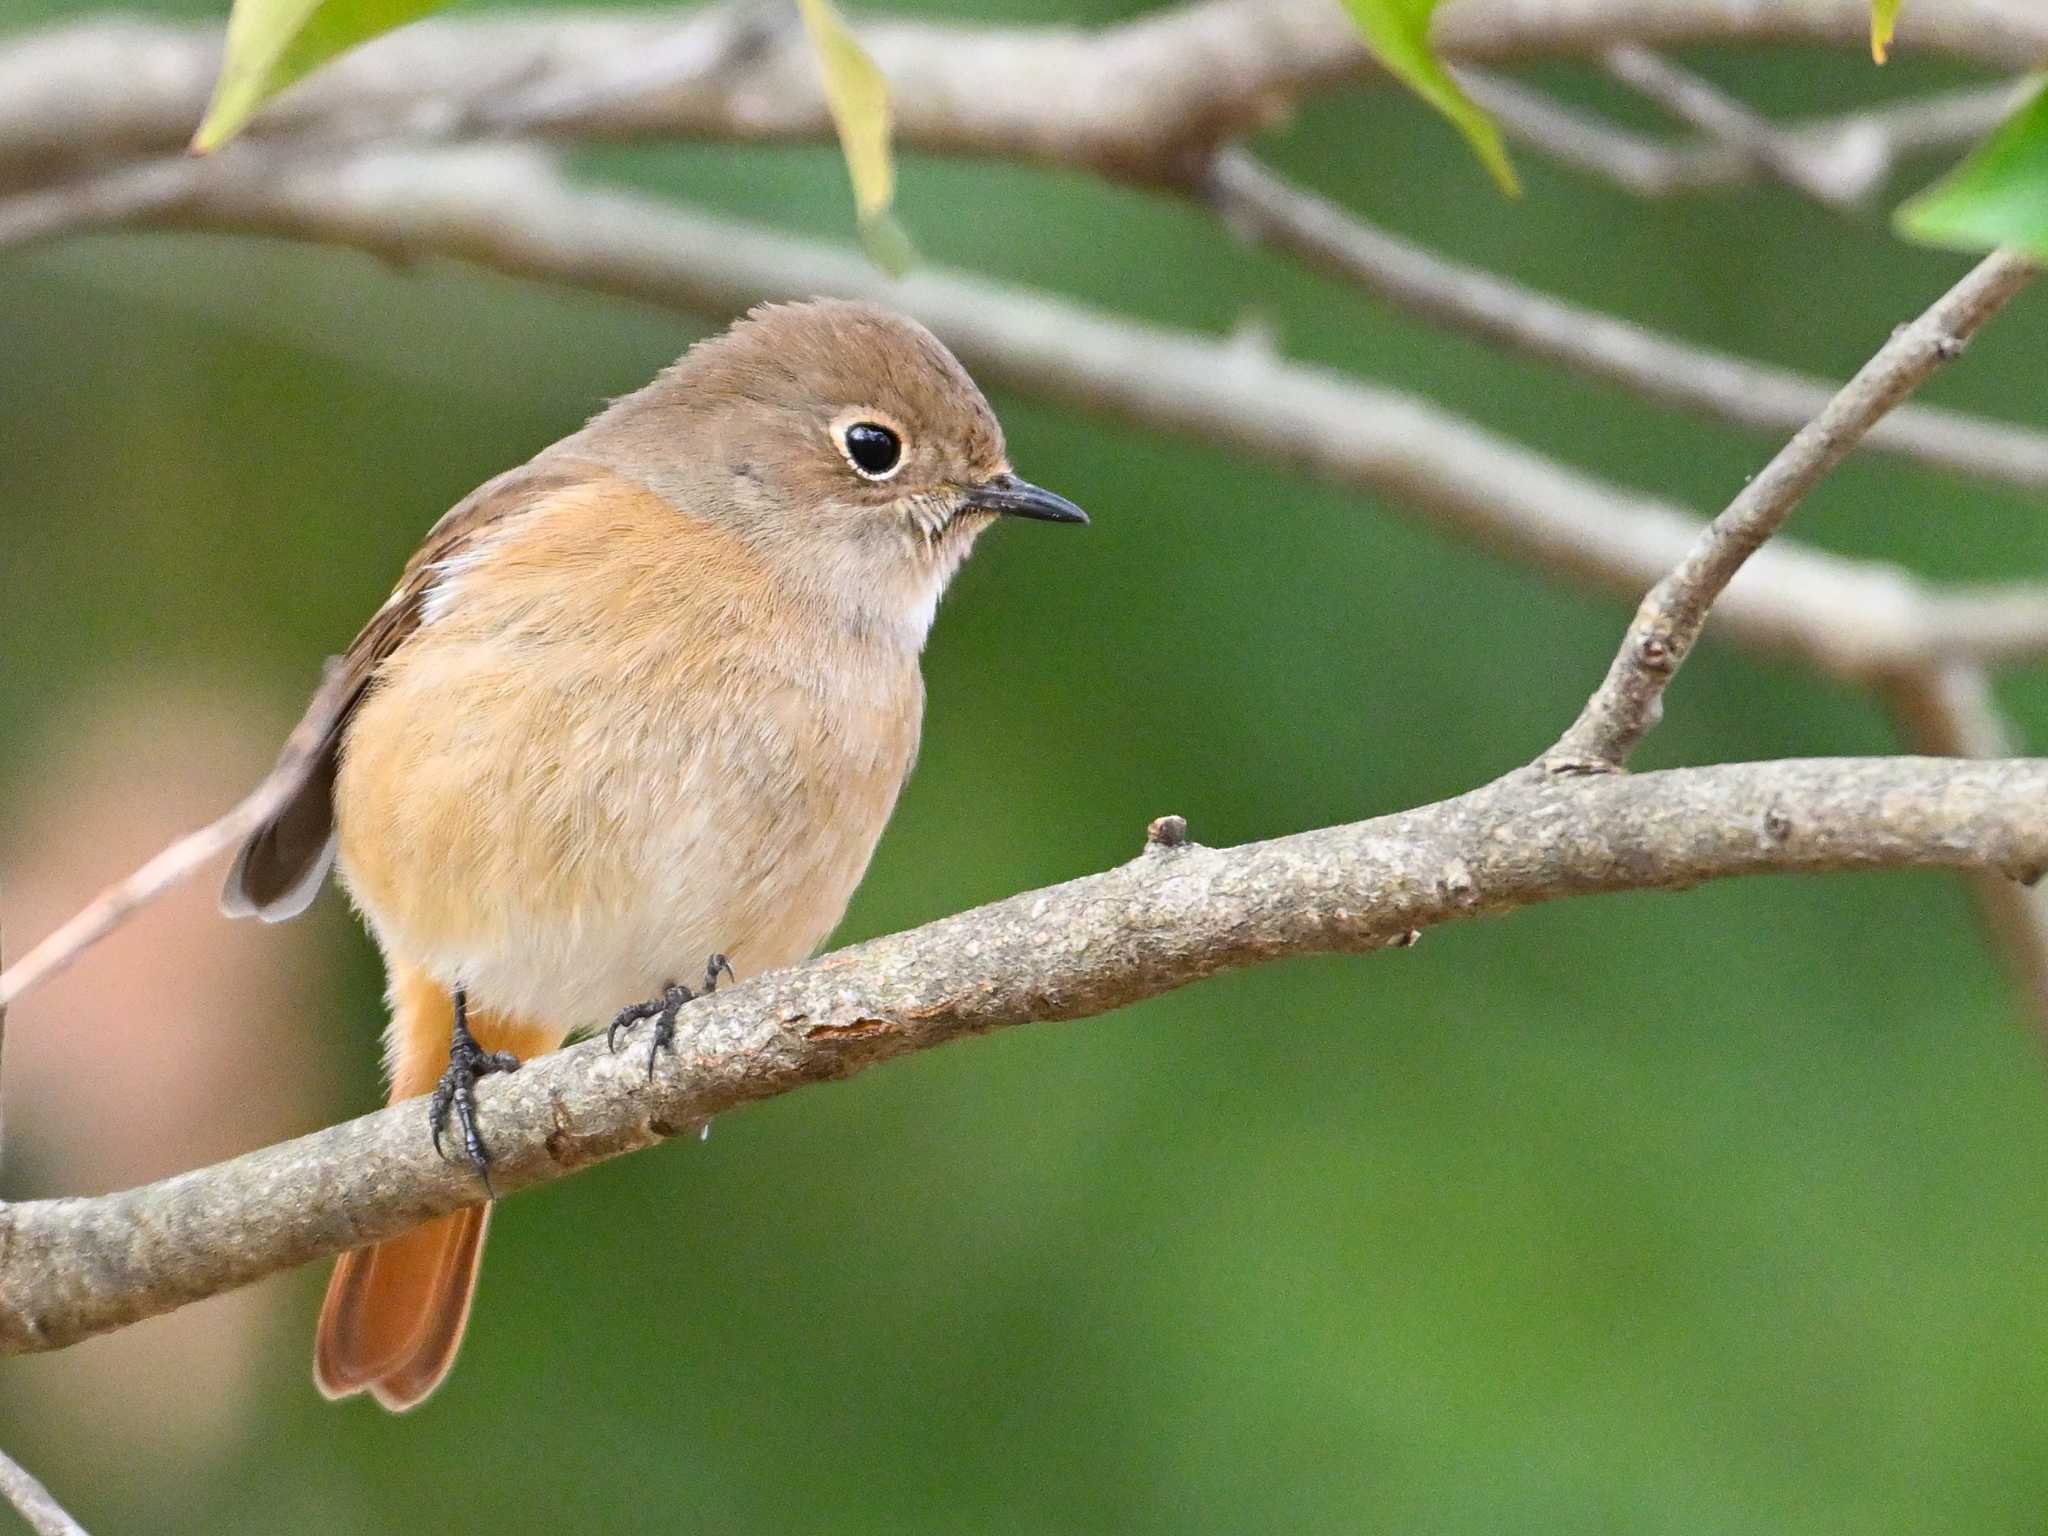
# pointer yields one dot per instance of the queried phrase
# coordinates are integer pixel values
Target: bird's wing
(281, 867)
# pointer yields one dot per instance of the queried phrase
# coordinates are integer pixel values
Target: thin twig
(1642, 166)
(45, 1516)
(1854, 152)
(1940, 121)
(1871, 142)
(1705, 106)
(114, 905)
(1262, 206)
(1176, 914)
(1628, 701)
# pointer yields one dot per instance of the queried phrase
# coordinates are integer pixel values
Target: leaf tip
(887, 243)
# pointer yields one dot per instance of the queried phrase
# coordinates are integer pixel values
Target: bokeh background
(1720, 1212)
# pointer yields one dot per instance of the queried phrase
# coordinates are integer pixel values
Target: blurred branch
(109, 198)
(1640, 165)
(508, 210)
(1701, 104)
(1855, 151)
(1263, 207)
(1629, 700)
(1950, 710)
(1147, 101)
(72, 1268)
(1142, 99)
(42, 1514)
(113, 906)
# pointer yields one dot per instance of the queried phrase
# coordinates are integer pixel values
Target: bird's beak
(1020, 498)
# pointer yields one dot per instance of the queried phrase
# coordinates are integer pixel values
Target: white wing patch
(448, 574)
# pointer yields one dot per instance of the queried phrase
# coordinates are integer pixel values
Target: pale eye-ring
(875, 451)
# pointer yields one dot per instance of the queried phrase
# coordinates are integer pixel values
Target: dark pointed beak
(1005, 493)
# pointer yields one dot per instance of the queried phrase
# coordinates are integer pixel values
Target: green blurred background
(1721, 1212)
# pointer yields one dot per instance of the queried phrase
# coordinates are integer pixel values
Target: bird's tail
(395, 1312)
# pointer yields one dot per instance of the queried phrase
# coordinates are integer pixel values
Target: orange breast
(618, 746)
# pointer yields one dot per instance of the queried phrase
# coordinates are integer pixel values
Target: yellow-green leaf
(858, 98)
(272, 43)
(1884, 20)
(1397, 32)
(1997, 196)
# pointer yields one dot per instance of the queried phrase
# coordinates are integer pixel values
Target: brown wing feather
(281, 867)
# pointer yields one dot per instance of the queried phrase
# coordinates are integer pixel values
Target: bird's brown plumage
(649, 696)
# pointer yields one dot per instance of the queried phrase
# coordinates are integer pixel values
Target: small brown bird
(645, 700)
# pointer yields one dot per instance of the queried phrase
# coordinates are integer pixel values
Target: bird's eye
(876, 451)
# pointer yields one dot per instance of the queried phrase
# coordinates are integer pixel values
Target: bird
(636, 711)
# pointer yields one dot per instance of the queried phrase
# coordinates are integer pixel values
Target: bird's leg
(467, 1061)
(663, 1009)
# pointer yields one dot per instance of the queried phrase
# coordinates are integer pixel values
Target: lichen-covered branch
(1179, 912)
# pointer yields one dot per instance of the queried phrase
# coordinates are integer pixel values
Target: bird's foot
(455, 1094)
(663, 1009)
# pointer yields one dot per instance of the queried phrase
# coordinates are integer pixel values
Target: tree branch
(1856, 150)
(506, 209)
(1701, 104)
(1146, 101)
(1128, 99)
(1263, 207)
(1949, 709)
(43, 1515)
(1670, 619)
(71, 1268)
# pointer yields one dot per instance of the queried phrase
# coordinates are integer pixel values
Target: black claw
(712, 967)
(663, 1009)
(629, 1016)
(665, 1025)
(456, 1092)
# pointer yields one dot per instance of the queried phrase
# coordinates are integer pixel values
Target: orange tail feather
(395, 1312)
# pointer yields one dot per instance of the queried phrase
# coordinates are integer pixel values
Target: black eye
(875, 450)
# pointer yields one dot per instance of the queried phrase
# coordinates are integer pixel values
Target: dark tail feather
(278, 872)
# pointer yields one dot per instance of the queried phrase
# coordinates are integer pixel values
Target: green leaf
(1884, 20)
(1397, 32)
(858, 98)
(272, 43)
(1997, 196)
